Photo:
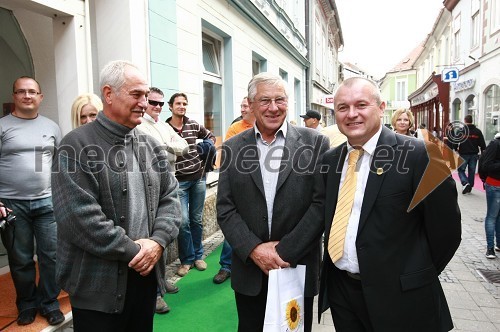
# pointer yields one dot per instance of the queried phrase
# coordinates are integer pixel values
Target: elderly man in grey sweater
(117, 208)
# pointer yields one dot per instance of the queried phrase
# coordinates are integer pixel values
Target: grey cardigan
(90, 195)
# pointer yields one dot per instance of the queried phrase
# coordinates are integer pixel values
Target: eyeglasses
(30, 93)
(156, 103)
(265, 102)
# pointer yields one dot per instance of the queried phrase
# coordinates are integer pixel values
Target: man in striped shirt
(190, 172)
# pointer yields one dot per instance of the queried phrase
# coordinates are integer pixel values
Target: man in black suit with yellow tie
(383, 256)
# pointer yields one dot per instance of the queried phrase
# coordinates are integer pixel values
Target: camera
(7, 221)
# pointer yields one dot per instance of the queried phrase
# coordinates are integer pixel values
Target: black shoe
(469, 188)
(490, 253)
(466, 189)
(171, 288)
(54, 317)
(222, 276)
(26, 316)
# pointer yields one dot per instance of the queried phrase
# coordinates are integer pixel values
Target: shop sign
(328, 99)
(449, 75)
(464, 85)
(425, 96)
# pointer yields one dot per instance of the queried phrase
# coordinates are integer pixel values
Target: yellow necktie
(344, 207)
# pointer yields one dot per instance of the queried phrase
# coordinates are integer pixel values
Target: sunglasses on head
(156, 103)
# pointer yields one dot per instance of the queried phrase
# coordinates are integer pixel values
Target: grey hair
(265, 78)
(113, 74)
(350, 82)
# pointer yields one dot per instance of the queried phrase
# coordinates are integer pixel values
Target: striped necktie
(344, 207)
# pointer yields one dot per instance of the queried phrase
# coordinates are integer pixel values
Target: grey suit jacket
(297, 212)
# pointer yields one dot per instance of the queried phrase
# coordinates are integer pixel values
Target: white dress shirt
(270, 155)
(349, 260)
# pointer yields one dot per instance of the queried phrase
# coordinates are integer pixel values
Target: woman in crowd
(402, 122)
(84, 109)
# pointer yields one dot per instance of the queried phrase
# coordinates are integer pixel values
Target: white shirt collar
(148, 117)
(283, 130)
(369, 147)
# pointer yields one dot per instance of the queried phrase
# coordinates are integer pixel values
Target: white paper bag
(285, 300)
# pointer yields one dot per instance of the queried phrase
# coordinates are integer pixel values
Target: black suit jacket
(297, 211)
(400, 252)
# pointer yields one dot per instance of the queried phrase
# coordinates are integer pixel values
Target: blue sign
(449, 74)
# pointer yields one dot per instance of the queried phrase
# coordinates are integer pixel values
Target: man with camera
(27, 146)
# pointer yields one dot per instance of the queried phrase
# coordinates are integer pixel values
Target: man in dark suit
(270, 201)
(403, 228)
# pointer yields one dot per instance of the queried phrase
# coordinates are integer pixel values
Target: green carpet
(200, 305)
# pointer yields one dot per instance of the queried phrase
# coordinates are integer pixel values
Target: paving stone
(485, 301)
(474, 286)
(493, 314)
(471, 325)
(453, 286)
(480, 316)
(463, 314)
(461, 300)
(465, 275)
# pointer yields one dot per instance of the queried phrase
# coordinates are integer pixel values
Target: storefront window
(492, 111)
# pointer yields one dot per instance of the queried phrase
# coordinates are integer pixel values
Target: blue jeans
(470, 163)
(192, 197)
(35, 220)
(225, 257)
(492, 220)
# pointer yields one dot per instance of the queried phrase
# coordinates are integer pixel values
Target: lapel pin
(380, 171)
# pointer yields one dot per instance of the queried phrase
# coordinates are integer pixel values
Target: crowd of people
(110, 196)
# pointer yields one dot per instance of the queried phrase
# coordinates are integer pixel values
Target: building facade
(208, 49)
(324, 40)
(465, 39)
(398, 83)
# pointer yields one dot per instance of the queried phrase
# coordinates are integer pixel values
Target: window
(317, 50)
(456, 45)
(259, 64)
(492, 111)
(212, 84)
(297, 97)
(446, 50)
(495, 16)
(474, 42)
(211, 55)
(456, 37)
(331, 66)
(324, 56)
(255, 67)
(401, 93)
(212, 106)
(284, 75)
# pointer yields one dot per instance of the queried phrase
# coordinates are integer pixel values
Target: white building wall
(489, 61)
(69, 49)
(436, 47)
(465, 88)
(246, 38)
(58, 34)
(462, 20)
(121, 29)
